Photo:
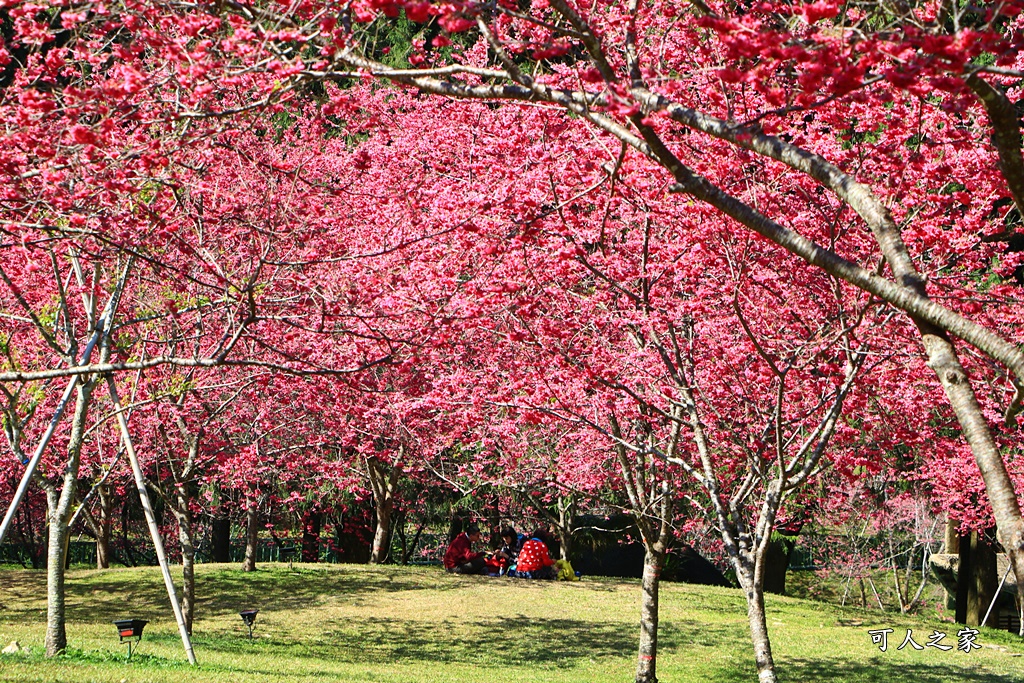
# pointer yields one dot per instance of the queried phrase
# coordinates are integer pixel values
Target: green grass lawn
(404, 624)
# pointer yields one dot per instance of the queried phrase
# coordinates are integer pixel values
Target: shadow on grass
(566, 643)
(947, 667)
(543, 642)
(94, 597)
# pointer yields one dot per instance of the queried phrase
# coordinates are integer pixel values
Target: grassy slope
(396, 624)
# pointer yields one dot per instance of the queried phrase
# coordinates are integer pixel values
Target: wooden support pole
(995, 598)
(154, 530)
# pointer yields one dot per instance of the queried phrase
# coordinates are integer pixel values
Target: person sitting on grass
(460, 558)
(505, 557)
(534, 560)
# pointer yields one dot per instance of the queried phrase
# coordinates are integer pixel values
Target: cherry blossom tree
(854, 137)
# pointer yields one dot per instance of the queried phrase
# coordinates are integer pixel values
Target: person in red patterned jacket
(460, 558)
(534, 560)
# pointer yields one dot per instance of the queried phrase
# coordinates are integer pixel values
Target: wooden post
(983, 579)
(154, 530)
(975, 578)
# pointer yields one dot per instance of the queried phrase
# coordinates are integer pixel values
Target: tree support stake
(154, 531)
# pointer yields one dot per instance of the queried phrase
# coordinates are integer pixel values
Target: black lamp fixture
(287, 552)
(130, 631)
(249, 617)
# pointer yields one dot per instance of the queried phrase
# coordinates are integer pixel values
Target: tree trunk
(1001, 493)
(221, 540)
(776, 564)
(311, 523)
(188, 558)
(566, 543)
(252, 537)
(951, 546)
(411, 545)
(385, 505)
(56, 634)
(566, 513)
(758, 628)
(964, 569)
(99, 525)
(647, 659)
(59, 513)
(976, 579)
(383, 479)
(103, 526)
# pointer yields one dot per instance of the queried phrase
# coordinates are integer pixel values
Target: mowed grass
(415, 624)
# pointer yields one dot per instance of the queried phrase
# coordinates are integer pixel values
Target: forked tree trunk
(252, 537)
(647, 659)
(58, 516)
(382, 536)
(383, 480)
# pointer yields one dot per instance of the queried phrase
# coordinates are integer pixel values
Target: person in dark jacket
(460, 558)
(505, 556)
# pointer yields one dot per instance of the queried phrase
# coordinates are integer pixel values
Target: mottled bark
(56, 633)
(382, 535)
(757, 618)
(1005, 135)
(183, 517)
(252, 537)
(1002, 496)
(647, 659)
(58, 514)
